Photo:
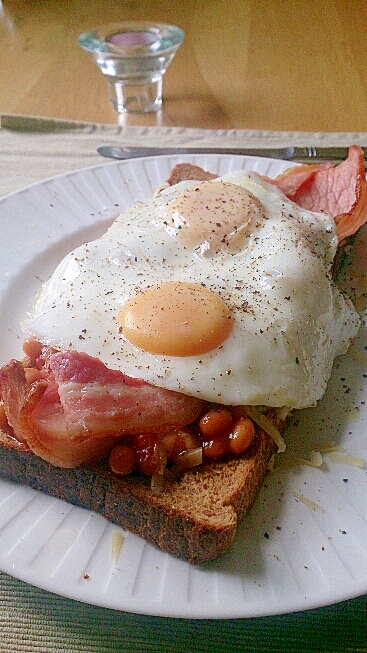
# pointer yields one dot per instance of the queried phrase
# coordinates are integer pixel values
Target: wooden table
(254, 64)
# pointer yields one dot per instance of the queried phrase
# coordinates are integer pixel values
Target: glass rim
(169, 37)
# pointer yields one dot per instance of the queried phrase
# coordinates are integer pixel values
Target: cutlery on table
(296, 154)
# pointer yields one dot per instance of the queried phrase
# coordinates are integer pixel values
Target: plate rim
(216, 614)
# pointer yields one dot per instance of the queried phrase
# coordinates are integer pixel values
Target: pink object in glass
(132, 38)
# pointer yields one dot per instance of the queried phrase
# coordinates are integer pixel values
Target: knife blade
(297, 154)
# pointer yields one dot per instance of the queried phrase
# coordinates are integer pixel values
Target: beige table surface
(33, 620)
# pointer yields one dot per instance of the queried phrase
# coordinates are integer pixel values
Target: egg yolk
(214, 217)
(176, 318)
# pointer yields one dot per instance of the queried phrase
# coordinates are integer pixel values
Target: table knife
(297, 154)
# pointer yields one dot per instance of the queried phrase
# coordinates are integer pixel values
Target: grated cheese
(307, 502)
(315, 459)
(117, 542)
(267, 425)
(347, 459)
(327, 446)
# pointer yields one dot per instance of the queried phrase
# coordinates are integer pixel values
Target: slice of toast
(195, 516)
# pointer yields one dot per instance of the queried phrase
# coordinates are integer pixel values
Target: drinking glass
(133, 56)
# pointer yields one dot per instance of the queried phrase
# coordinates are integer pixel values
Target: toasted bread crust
(188, 171)
(194, 517)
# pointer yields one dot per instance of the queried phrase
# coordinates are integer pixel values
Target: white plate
(286, 557)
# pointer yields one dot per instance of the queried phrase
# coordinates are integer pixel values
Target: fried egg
(219, 289)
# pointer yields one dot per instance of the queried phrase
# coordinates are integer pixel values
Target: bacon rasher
(337, 190)
(74, 409)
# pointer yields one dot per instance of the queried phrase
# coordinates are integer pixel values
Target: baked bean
(178, 442)
(122, 460)
(215, 448)
(242, 435)
(148, 452)
(216, 422)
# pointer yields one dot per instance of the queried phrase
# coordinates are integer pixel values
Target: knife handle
(309, 153)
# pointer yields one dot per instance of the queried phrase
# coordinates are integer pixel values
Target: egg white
(290, 319)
